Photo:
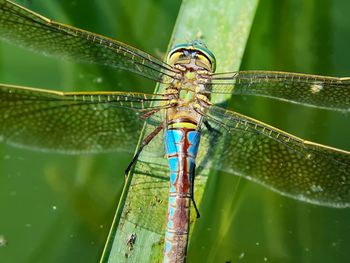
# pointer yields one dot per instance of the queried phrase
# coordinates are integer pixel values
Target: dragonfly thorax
(194, 63)
(190, 99)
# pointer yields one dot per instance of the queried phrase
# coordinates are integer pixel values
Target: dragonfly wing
(310, 90)
(74, 122)
(33, 31)
(282, 162)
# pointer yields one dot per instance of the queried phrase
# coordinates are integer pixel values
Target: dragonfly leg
(149, 113)
(139, 150)
(210, 128)
(192, 192)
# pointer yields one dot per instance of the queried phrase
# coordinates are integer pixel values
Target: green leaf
(224, 26)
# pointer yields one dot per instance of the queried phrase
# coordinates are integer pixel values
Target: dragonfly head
(195, 50)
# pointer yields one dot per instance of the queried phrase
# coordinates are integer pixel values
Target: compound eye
(178, 57)
(203, 62)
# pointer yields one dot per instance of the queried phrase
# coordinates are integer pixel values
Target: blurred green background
(56, 208)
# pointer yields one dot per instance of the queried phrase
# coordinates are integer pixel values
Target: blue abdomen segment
(182, 140)
(193, 138)
(181, 149)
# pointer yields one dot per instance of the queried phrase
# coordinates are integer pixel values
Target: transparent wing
(35, 32)
(282, 162)
(74, 122)
(311, 90)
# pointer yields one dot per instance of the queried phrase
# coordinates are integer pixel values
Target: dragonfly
(95, 122)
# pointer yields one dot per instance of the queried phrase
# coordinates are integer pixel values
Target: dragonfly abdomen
(181, 147)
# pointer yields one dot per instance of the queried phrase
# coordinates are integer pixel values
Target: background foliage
(56, 208)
